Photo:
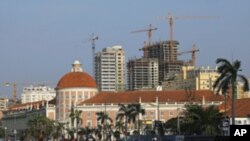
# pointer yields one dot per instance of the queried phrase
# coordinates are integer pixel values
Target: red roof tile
(150, 96)
(76, 79)
(241, 107)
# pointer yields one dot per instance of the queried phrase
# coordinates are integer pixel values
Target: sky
(39, 40)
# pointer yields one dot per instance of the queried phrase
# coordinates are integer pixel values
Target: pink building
(72, 88)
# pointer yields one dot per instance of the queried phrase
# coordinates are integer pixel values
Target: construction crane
(171, 32)
(14, 97)
(149, 30)
(14, 88)
(193, 51)
(93, 39)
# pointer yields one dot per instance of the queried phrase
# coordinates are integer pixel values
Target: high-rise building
(167, 58)
(110, 69)
(143, 74)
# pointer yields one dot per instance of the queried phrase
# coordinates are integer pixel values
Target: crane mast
(93, 39)
(149, 32)
(193, 52)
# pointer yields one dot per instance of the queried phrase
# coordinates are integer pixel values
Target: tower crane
(93, 39)
(171, 32)
(149, 30)
(193, 51)
(14, 97)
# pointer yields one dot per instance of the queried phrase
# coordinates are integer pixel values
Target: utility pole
(93, 39)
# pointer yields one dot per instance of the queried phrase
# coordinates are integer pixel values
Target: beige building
(162, 105)
(110, 69)
(15, 118)
(37, 93)
(72, 88)
(3, 103)
(193, 78)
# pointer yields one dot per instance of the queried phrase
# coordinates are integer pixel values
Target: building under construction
(166, 53)
(143, 73)
(162, 53)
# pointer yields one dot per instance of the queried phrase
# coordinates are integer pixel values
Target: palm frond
(245, 82)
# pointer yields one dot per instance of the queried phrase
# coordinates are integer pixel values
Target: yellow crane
(149, 30)
(171, 18)
(193, 52)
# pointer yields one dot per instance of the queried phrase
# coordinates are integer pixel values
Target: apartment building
(37, 93)
(110, 69)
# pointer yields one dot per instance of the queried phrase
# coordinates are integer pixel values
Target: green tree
(2, 132)
(171, 125)
(75, 116)
(58, 130)
(98, 131)
(105, 121)
(40, 127)
(202, 120)
(119, 125)
(229, 76)
(136, 110)
(124, 112)
(103, 118)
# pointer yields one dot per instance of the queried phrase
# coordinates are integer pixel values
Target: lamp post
(178, 121)
(5, 133)
(15, 132)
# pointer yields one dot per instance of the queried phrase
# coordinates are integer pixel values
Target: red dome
(76, 79)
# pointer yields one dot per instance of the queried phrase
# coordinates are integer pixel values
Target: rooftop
(150, 96)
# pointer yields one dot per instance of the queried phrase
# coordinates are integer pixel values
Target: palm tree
(104, 119)
(58, 129)
(40, 127)
(202, 120)
(136, 111)
(75, 116)
(229, 76)
(119, 125)
(124, 112)
(98, 131)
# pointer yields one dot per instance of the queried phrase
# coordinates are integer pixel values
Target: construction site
(164, 53)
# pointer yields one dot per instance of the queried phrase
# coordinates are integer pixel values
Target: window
(88, 123)
(171, 114)
(88, 115)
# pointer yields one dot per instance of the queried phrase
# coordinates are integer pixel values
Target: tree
(229, 76)
(105, 120)
(58, 130)
(40, 127)
(103, 117)
(171, 125)
(136, 110)
(98, 131)
(202, 120)
(119, 125)
(124, 112)
(75, 116)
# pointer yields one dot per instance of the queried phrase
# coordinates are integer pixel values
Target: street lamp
(178, 121)
(15, 132)
(5, 133)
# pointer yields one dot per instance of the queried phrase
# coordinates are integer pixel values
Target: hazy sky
(39, 40)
